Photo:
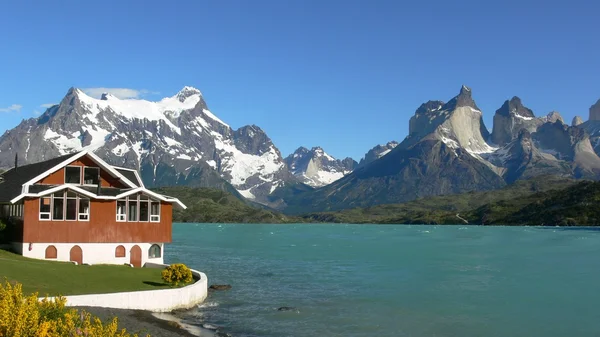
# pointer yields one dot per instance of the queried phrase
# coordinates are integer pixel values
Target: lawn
(64, 278)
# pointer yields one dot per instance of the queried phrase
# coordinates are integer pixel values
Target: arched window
(51, 252)
(154, 252)
(120, 251)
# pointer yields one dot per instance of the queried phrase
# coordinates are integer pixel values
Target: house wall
(101, 228)
(93, 253)
(58, 177)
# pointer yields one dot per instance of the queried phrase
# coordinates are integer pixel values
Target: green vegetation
(63, 278)
(208, 205)
(490, 207)
(177, 273)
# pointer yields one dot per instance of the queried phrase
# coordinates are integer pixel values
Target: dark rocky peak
(106, 96)
(577, 120)
(252, 139)
(514, 106)
(464, 98)
(595, 111)
(186, 92)
(429, 106)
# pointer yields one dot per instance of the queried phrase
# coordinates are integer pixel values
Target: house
(79, 208)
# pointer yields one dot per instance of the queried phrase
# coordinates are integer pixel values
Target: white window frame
(80, 174)
(65, 202)
(48, 213)
(64, 198)
(153, 217)
(160, 252)
(64, 206)
(83, 176)
(121, 217)
(79, 213)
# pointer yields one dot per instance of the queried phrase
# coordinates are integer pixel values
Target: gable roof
(15, 178)
(108, 168)
(20, 182)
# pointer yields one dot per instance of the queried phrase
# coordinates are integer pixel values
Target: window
(45, 206)
(155, 211)
(121, 209)
(154, 252)
(58, 201)
(71, 206)
(91, 176)
(144, 208)
(84, 209)
(120, 251)
(138, 208)
(65, 206)
(133, 211)
(73, 175)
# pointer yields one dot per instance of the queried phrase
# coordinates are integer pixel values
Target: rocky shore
(143, 323)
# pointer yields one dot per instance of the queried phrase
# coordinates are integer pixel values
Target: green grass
(63, 278)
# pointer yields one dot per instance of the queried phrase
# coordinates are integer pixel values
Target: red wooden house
(79, 208)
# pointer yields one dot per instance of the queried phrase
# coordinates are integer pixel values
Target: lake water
(395, 280)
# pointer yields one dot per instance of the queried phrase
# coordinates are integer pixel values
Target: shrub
(177, 273)
(30, 317)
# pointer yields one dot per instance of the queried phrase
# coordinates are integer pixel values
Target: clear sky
(345, 75)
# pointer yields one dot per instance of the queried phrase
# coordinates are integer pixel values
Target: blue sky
(345, 75)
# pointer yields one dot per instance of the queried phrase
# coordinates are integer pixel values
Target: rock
(286, 309)
(316, 168)
(378, 152)
(554, 116)
(577, 120)
(220, 287)
(209, 326)
(510, 120)
(595, 111)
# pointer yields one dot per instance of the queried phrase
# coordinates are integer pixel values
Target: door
(135, 256)
(76, 254)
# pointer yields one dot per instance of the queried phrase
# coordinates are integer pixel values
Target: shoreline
(146, 322)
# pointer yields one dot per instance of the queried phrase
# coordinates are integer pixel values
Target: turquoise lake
(394, 280)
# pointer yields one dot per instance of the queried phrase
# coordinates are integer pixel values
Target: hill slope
(490, 207)
(212, 205)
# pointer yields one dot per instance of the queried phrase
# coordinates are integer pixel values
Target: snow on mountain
(316, 168)
(170, 141)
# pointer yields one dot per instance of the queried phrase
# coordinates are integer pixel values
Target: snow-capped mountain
(377, 152)
(175, 141)
(316, 168)
(449, 150)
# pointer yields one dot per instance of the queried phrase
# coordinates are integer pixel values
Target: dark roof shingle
(14, 178)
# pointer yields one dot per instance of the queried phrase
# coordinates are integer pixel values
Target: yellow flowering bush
(22, 316)
(177, 273)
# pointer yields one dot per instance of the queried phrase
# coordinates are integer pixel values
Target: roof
(131, 175)
(14, 179)
(19, 182)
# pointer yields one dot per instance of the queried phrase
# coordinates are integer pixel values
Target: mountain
(316, 168)
(447, 152)
(439, 156)
(175, 141)
(510, 119)
(377, 152)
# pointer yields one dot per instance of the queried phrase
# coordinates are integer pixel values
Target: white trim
(137, 176)
(99, 197)
(76, 156)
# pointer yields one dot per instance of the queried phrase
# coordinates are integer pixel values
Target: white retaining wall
(93, 253)
(150, 300)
